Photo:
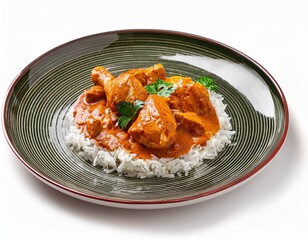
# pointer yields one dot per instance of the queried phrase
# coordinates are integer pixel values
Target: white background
(274, 205)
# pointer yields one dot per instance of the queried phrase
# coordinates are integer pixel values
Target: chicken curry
(126, 112)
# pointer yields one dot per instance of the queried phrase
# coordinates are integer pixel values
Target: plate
(41, 95)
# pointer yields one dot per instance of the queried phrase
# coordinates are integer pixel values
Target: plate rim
(147, 203)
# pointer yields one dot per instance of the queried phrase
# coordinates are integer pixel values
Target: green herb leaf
(151, 88)
(207, 83)
(127, 111)
(125, 108)
(123, 121)
(161, 88)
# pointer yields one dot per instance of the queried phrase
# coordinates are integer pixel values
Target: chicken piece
(139, 74)
(149, 75)
(179, 81)
(109, 119)
(94, 94)
(155, 126)
(100, 75)
(191, 122)
(192, 97)
(124, 88)
(155, 72)
(93, 127)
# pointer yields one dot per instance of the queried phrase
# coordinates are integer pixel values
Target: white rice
(125, 163)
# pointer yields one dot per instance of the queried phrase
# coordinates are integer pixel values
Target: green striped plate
(41, 95)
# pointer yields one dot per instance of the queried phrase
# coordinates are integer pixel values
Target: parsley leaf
(127, 111)
(207, 83)
(161, 88)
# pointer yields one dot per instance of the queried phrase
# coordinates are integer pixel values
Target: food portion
(166, 107)
(147, 116)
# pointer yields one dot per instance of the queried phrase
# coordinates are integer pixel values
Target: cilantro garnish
(127, 111)
(207, 83)
(123, 121)
(161, 88)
